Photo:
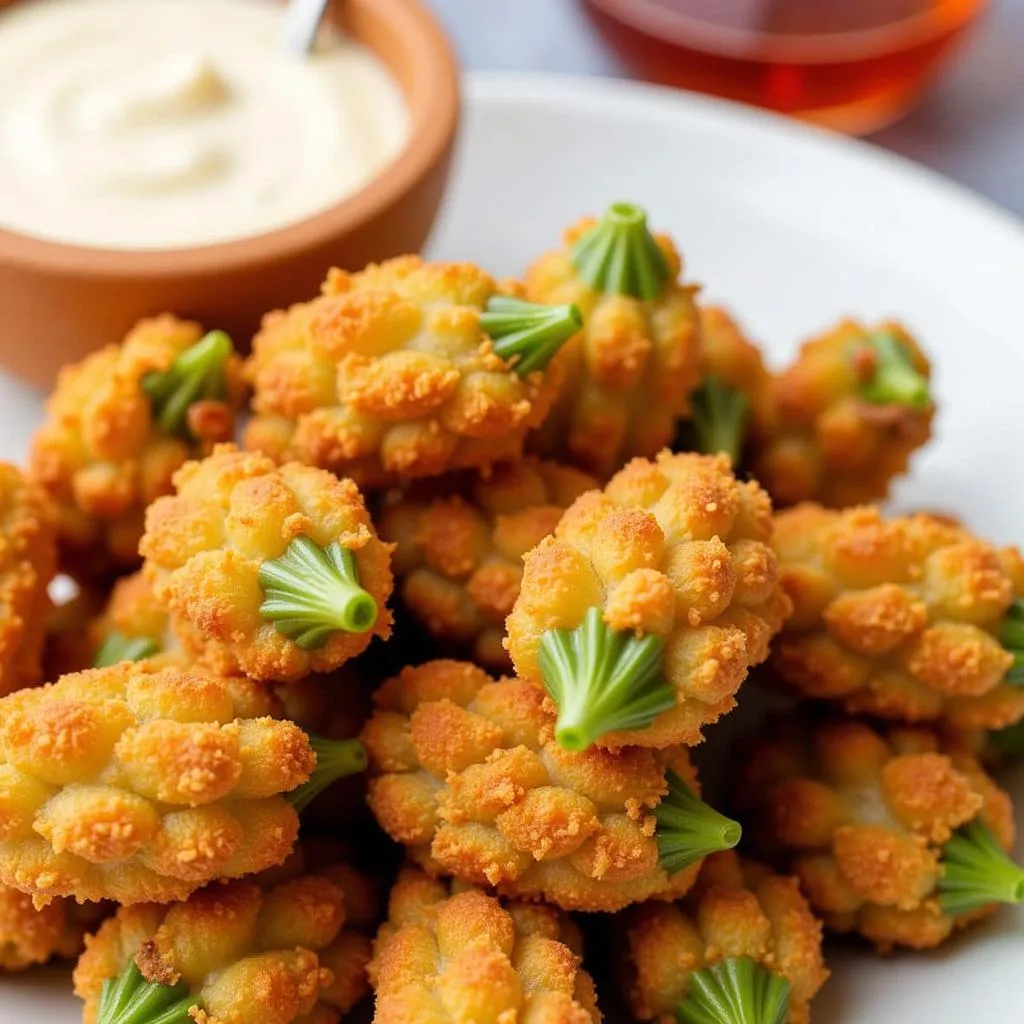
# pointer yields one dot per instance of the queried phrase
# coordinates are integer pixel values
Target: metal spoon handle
(301, 20)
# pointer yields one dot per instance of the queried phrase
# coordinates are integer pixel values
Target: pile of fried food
(486, 562)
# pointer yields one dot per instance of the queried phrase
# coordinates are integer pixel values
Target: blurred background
(958, 65)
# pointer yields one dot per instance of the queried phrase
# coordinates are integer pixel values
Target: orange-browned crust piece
(31, 936)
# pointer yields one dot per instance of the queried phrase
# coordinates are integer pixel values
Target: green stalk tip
(689, 829)
(335, 759)
(620, 256)
(311, 592)
(130, 999)
(528, 334)
(894, 379)
(1009, 741)
(196, 374)
(976, 872)
(735, 991)
(1011, 636)
(718, 421)
(117, 648)
(602, 680)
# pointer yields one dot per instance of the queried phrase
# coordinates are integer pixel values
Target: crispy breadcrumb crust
(387, 376)
(678, 548)
(100, 455)
(449, 954)
(459, 547)
(29, 936)
(466, 773)
(258, 951)
(860, 816)
(826, 443)
(629, 371)
(205, 544)
(28, 561)
(137, 785)
(738, 908)
(896, 617)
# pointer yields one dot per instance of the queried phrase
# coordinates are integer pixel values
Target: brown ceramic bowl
(58, 302)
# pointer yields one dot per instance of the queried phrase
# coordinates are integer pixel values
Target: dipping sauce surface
(145, 124)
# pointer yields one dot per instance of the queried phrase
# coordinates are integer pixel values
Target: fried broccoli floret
(742, 948)
(908, 618)
(28, 561)
(406, 369)
(454, 955)
(121, 422)
(459, 550)
(643, 612)
(630, 369)
(850, 411)
(136, 785)
(469, 778)
(30, 936)
(735, 397)
(892, 835)
(271, 571)
(261, 951)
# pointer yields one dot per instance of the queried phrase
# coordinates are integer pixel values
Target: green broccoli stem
(312, 592)
(719, 418)
(735, 991)
(603, 680)
(976, 872)
(130, 999)
(620, 256)
(335, 759)
(117, 647)
(1009, 741)
(1011, 636)
(528, 334)
(688, 829)
(197, 373)
(894, 379)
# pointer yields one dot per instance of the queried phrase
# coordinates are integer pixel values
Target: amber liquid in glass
(854, 65)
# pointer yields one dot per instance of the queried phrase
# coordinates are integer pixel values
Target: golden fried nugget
(630, 369)
(29, 936)
(907, 618)
(454, 955)
(469, 778)
(644, 611)
(28, 561)
(892, 835)
(850, 411)
(288, 948)
(271, 571)
(121, 422)
(742, 931)
(459, 547)
(406, 369)
(135, 785)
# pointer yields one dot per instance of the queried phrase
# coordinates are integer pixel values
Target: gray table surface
(970, 128)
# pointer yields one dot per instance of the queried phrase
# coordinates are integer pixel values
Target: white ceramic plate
(792, 227)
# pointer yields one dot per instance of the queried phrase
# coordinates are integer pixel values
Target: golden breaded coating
(630, 369)
(892, 835)
(909, 618)
(288, 948)
(850, 411)
(29, 936)
(671, 562)
(454, 955)
(737, 909)
(135, 785)
(469, 778)
(271, 571)
(397, 372)
(120, 423)
(28, 561)
(459, 547)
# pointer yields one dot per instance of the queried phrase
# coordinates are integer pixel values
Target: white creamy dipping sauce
(154, 124)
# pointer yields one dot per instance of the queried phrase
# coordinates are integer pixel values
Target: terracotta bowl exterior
(58, 302)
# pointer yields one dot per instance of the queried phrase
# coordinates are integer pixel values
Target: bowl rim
(431, 92)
